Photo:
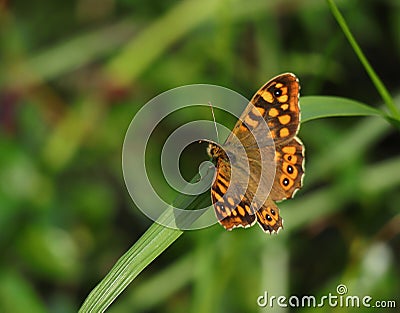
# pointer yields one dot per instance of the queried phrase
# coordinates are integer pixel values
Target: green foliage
(74, 74)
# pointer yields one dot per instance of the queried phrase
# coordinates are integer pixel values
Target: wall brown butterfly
(277, 104)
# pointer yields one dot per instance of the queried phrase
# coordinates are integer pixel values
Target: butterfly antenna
(215, 123)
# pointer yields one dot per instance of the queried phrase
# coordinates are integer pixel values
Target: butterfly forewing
(278, 100)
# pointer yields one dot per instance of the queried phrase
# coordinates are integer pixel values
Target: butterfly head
(215, 151)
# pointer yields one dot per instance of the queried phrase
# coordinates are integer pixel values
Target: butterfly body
(262, 160)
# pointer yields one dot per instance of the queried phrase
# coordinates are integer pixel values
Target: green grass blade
(167, 282)
(141, 52)
(153, 242)
(388, 100)
(314, 107)
(158, 238)
(81, 50)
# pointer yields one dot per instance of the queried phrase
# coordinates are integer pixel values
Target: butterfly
(259, 165)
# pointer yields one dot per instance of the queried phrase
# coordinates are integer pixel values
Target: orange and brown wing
(283, 118)
(268, 217)
(289, 170)
(232, 209)
(277, 102)
(238, 206)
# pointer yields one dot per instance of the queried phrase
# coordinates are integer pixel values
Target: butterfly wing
(277, 104)
(231, 210)
(281, 100)
(278, 101)
(268, 217)
(235, 191)
(289, 158)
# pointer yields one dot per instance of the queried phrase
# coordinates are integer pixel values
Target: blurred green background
(72, 76)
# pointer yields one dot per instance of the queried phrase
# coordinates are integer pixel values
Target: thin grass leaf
(153, 242)
(141, 52)
(314, 107)
(388, 100)
(158, 238)
(167, 282)
(81, 50)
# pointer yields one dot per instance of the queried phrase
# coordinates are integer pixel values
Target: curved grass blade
(314, 107)
(152, 243)
(380, 87)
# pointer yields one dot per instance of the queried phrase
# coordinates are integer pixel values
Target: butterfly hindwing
(289, 170)
(268, 217)
(230, 210)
